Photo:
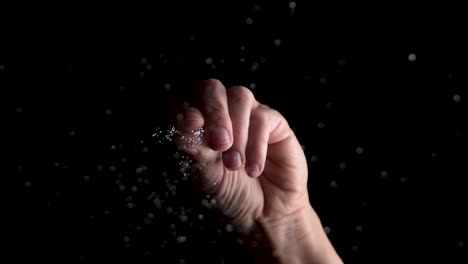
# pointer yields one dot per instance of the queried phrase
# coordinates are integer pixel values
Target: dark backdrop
(371, 91)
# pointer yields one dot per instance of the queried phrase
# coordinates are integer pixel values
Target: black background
(83, 104)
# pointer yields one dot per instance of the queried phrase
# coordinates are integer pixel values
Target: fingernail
(232, 159)
(253, 170)
(220, 136)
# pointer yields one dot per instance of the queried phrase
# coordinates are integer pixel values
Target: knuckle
(213, 84)
(240, 94)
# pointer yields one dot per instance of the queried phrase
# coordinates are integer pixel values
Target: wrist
(298, 238)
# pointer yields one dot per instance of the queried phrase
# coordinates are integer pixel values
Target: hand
(249, 160)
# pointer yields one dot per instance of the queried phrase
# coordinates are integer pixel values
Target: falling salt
(327, 230)
(229, 228)
(313, 158)
(384, 174)
(27, 184)
(277, 42)
(359, 151)
(183, 218)
(181, 239)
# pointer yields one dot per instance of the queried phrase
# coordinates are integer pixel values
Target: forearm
(297, 238)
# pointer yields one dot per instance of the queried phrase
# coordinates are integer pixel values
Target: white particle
(323, 80)
(179, 117)
(126, 239)
(169, 210)
(122, 187)
(130, 205)
(2, 67)
(146, 181)
(456, 98)
(183, 218)
(108, 111)
(341, 62)
(253, 86)
(205, 203)
(181, 239)
(277, 42)
(113, 147)
(333, 184)
(461, 244)
(134, 189)
(141, 169)
(149, 67)
(342, 165)
(208, 61)
(112, 168)
(354, 248)
(27, 184)
(242, 48)
(242, 60)
(384, 174)
(167, 86)
(254, 66)
(249, 21)
(150, 215)
(213, 201)
(359, 150)
(313, 158)
(19, 110)
(404, 179)
(434, 155)
(200, 216)
(412, 57)
(144, 60)
(327, 230)
(358, 228)
(320, 125)
(229, 228)
(157, 202)
(292, 5)
(86, 178)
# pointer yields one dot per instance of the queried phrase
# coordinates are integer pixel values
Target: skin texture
(249, 160)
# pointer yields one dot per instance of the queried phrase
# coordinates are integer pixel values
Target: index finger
(212, 101)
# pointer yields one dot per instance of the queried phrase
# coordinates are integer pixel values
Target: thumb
(190, 138)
